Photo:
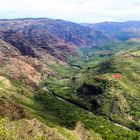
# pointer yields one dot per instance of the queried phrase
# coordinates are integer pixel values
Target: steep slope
(18, 77)
(14, 68)
(57, 37)
(25, 68)
(106, 84)
(111, 89)
(36, 130)
(45, 116)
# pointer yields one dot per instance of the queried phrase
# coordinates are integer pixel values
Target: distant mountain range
(59, 37)
(120, 30)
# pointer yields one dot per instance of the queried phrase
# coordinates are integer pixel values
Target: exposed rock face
(57, 37)
(15, 68)
(19, 70)
(28, 45)
(25, 69)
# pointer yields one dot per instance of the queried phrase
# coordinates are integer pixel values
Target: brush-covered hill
(24, 104)
(110, 89)
(105, 84)
(20, 108)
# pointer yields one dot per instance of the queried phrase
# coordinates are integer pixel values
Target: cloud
(73, 10)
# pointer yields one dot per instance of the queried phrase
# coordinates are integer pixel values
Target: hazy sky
(73, 10)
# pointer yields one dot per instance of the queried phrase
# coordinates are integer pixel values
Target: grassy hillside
(19, 104)
(20, 107)
(110, 89)
(49, 117)
(94, 55)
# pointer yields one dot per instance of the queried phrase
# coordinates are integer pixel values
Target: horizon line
(111, 21)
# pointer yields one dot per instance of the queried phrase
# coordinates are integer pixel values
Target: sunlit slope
(112, 88)
(19, 109)
(19, 79)
(47, 117)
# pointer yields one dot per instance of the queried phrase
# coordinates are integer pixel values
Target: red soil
(117, 76)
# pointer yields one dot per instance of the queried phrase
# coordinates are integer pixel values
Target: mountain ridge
(120, 30)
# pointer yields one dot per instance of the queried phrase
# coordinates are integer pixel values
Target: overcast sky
(81, 11)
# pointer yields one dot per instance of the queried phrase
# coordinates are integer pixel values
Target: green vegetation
(67, 115)
(97, 89)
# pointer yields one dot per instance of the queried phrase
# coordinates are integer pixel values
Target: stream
(126, 128)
